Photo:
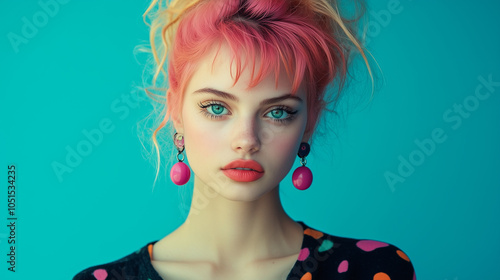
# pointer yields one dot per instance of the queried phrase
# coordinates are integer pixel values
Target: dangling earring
(302, 177)
(180, 172)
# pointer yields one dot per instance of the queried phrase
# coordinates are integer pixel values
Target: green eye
(214, 110)
(217, 109)
(281, 114)
(278, 113)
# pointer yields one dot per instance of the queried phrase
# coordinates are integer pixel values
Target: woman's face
(222, 123)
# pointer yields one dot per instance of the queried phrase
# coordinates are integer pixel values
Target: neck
(240, 231)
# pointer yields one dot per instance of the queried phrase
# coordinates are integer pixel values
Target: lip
(239, 175)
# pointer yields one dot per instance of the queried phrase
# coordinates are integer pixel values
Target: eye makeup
(216, 110)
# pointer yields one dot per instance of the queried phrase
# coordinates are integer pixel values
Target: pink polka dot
(304, 253)
(370, 245)
(100, 274)
(343, 266)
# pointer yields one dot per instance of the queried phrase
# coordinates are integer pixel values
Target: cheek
(283, 147)
(288, 151)
(280, 155)
(201, 141)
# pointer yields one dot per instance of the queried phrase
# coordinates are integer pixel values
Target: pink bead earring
(180, 172)
(302, 177)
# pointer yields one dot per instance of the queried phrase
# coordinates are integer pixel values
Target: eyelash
(203, 106)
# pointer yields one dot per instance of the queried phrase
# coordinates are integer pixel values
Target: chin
(238, 191)
(247, 192)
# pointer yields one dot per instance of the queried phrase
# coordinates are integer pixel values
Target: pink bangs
(268, 35)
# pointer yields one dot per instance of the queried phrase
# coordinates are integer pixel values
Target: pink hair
(308, 37)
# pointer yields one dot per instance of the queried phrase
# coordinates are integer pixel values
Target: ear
(177, 121)
(176, 114)
(307, 135)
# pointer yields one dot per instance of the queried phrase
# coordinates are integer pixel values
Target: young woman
(246, 87)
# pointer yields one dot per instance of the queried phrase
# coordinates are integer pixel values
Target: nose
(246, 136)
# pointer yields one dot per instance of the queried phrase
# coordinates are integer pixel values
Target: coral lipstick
(243, 170)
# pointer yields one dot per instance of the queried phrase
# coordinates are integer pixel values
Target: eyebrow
(229, 96)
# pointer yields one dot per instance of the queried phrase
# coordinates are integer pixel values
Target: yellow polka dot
(307, 276)
(381, 276)
(403, 255)
(314, 233)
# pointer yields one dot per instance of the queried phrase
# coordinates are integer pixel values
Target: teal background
(74, 70)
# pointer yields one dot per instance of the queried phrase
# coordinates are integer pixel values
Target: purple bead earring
(180, 172)
(302, 176)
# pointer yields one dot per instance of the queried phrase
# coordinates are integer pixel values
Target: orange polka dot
(150, 250)
(381, 276)
(314, 233)
(403, 255)
(307, 276)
